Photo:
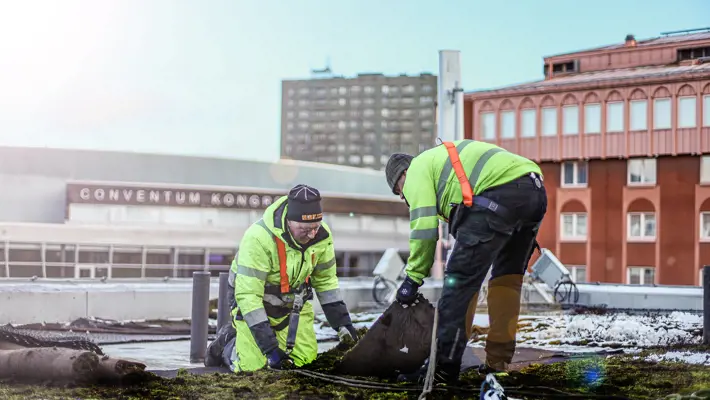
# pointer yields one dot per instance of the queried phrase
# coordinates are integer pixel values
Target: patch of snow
(360, 320)
(582, 332)
(687, 357)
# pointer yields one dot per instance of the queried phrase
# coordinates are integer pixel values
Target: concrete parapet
(65, 301)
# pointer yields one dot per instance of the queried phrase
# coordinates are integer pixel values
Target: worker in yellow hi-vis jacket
(494, 202)
(282, 259)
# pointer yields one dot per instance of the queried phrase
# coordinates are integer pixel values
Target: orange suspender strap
(281, 247)
(466, 190)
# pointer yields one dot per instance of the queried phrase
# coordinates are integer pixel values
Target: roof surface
(605, 76)
(657, 41)
(95, 165)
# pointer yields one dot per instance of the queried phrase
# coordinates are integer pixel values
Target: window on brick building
(686, 112)
(549, 121)
(578, 273)
(640, 275)
(592, 118)
(574, 173)
(574, 226)
(507, 125)
(527, 123)
(705, 226)
(641, 171)
(641, 226)
(705, 169)
(693, 53)
(662, 113)
(615, 116)
(488, 125)
(639, 115)
(570, 120)
(706, 110)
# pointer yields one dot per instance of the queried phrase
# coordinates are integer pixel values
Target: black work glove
(278, 359)
(407, 292)
(346, 331)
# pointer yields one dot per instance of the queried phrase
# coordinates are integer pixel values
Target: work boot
(493, 367)
(213, 355)
(443, 373)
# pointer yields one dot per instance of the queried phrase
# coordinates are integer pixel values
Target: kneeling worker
(282, 258)
(494, 202)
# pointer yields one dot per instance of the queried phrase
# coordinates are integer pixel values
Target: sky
(203, 77)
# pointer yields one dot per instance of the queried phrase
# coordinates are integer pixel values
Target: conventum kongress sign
(96, 194)
(247, 200)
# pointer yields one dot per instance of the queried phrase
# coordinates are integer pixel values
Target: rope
(353, 382)
(430, 376)
(703, 394)
(315, 374)
(363, 384)
(429, 380)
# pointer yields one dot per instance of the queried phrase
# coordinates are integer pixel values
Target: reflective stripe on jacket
(432, 186)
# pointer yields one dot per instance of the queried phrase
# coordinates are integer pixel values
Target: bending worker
(282, 258)
(494, 202)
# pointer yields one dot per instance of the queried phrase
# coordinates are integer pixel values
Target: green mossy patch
(623, 376)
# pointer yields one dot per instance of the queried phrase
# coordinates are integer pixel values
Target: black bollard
(200, 315)
(223, 315)
(706, 304)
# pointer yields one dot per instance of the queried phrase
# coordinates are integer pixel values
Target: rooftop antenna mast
(326, 72)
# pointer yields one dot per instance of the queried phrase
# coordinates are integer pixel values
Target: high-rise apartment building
(357, 121)
(622, 134)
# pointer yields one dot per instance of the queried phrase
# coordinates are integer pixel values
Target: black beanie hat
(304, 204)
(396, 166)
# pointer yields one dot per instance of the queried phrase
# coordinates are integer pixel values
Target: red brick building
(622, 133)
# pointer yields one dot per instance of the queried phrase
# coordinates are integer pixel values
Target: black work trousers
(483, 239)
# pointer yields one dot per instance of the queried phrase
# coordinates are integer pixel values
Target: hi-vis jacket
(264, 285)
(432, 187)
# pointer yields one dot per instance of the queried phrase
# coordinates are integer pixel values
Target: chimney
(630, 41)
